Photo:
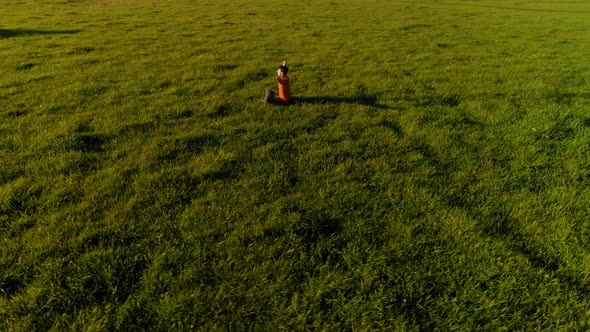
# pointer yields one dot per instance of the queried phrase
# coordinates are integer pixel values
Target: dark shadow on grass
(7, 33)
(354, 100)
(500, 225)
(11, 286)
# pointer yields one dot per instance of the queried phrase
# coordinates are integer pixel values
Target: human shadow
(7, 33)
(354, 100)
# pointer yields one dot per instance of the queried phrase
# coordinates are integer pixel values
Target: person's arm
(282, 79)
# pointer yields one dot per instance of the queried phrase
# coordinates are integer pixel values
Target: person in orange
(284, 95)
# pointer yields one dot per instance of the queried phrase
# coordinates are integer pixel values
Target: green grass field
(431, 173)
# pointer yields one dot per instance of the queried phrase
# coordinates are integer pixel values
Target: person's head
(283, 69)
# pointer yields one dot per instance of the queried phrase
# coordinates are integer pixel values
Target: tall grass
(430, 173)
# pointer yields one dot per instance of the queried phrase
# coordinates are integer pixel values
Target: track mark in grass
(566, 98)
(200, 51)
(452, 100)
(314, 226)
(165, 192)
(10, 286)
(136, 128)
(560, 97)
(55, 109)
(221, 110)
(223, 67)
(561, 130)
(394, 126)
(274, 232)
(179, 114)
(83, 142)
(86, 283)
(105, 238)
(533, 178)
(7, 33)
(251, 77)
(76, 162)
(424, 94)
(179, 148)
(10, 170)
(20, 226)
(429, 100)
(414, 27)
(538, 259)
(461, 120)
(94, 90)
(442, 45)
(40, 78)
(7, 145)
(15, 114)
(429, 156)
(314, 229)
(492, 219)
(144, 89)
(315, 123)
(87, 62)
(196, 144)
(495, 221)
(365, 100)
(80, 50)
(18, 196)
(25, 66)
(225, 172)
(149, 87)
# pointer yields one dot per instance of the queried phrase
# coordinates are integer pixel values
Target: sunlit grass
(431, 172)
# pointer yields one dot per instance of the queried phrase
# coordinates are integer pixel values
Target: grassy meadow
(431, 173)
